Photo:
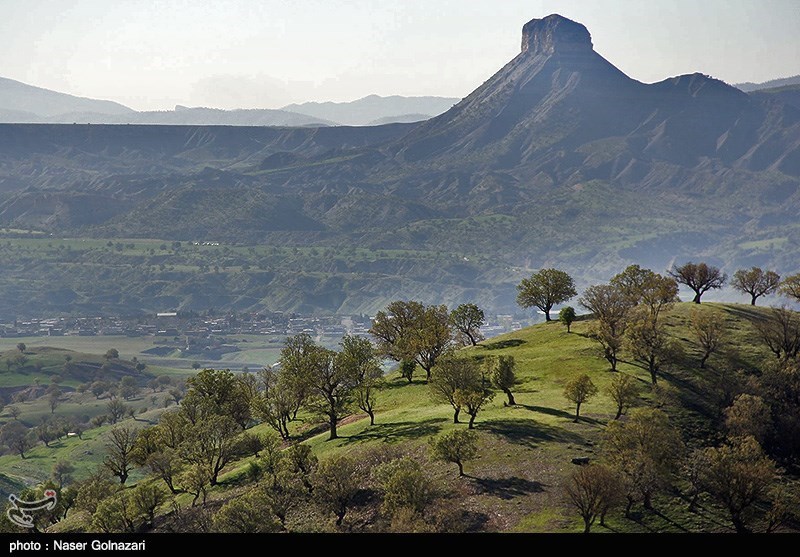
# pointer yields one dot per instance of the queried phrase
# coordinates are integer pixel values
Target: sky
(154, 54)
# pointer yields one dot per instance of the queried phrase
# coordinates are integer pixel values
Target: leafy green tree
(120, 452)
(167, 465)
(128, 388)
(453, 376)
(647, 288)
(700, 277)
(404, 486)
(112, 354)
(407, 368)
(336, 485)
(275, 403)
(94, 489)
(296, 353)
(456, 446)
(54, 400)
(472, 400)
(62, 473)
(116, 410)
(623, 391)
(544, 289)
(211, 444)
(739, 475)
(578, 390)
(14, 412)
(147, 497)
(749, 415)
(251, 444)
(249, 514)
(756, 282)
(360, 362)
(21, 347)
(117, 514)
(709, 332)
(645, 451)
(649, 343)
(16, 437)
(501, 374)
(467, 320)
(790, 287)
(218, 392)
(331, 385)
(593, 490)
(567, 316)
(194, 481)
(611, 307)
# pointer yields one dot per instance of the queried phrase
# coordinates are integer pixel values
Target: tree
(112, 354)
(147, 497)
(116, 410)
(117, 513)
(454, 375)
(644, 450)
(693, 468)
(331, 383)
(756, 282)
(708, 331)
(781, 333)
(119, 452)
(647, 288)
(455, 446)
(738, 475)
(790, 287)
(251, 444)
(360, 362)
(194, 481)
(128, 388)
(295, 355)
(249, 514)
(275, 403)
(749, 415)
(649, 343)
(610, 307)
(473, 399)
(98, 388)
(407, 368)
(211, 444)
(62, 473)
(623, 391)
(21, 347)
(196, 365)
(14, 412)
(94, 489)
(567, 316)
(16, 437)
(336, 485)
(430, 338)
(578, 390)
(166, 464)
(502, 376)
(593, 490)
(219, 392)
(404, 486)
(544, 289)
(700, 277)
(467, 320)
(54, 400)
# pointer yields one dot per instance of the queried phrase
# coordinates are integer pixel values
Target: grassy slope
(525, 451)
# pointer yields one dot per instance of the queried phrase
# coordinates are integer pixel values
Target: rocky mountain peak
(553, 34)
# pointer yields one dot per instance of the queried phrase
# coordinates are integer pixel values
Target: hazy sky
(153, 54)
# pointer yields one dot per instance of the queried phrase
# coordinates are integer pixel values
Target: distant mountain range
(559, 159)
(749, 87)
(22, 103)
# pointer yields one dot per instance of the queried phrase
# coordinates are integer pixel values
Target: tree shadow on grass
(397, 431)
(500, 344)
(560, 414)
(508, 488)
(529, 432)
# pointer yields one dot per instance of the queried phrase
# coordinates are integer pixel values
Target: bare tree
(708, 331)
(119, 452)
(781, 333)
(756, 282)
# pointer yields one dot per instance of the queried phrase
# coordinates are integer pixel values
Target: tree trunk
(472, 339)
(603, 515)
(339, 517)
(333, 434)
(703, 360)
(568, 327)
(697, 295)
(619, 412)
(628, 507)
(738, 523)
(577, 412)
(455, 416)
(648, 501)
(653, 373)
(753, 300)
(427, 374)
(460, 468)
(371, 417)
(547, 315)
(472, 420)
(693, 502)
(511, 401)
(587, 525)
(123, 477)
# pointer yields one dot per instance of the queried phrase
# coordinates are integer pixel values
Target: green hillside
(525, 451)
